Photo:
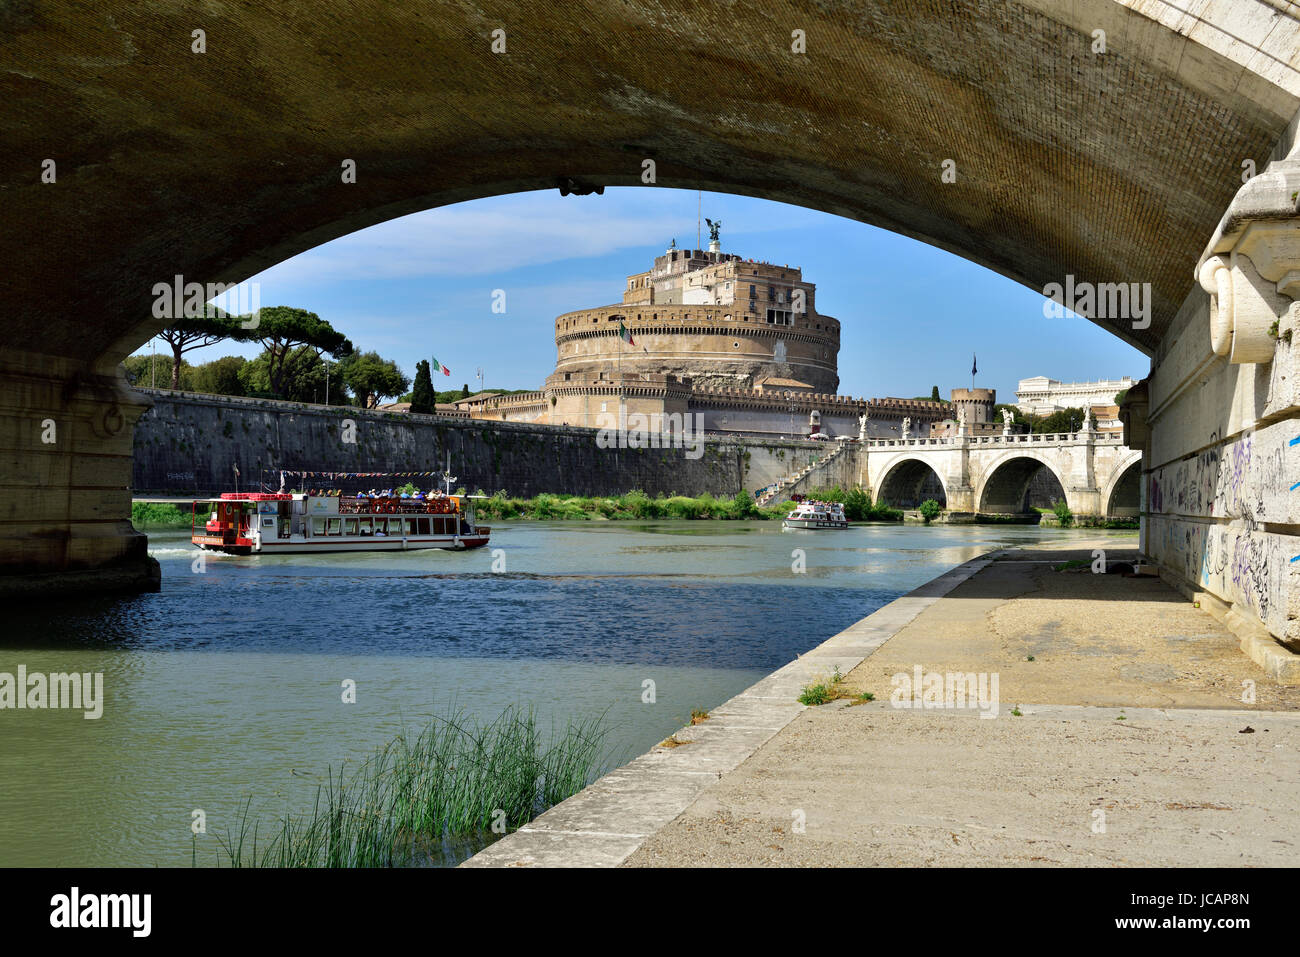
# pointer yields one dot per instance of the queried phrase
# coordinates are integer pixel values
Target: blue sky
(911, 314)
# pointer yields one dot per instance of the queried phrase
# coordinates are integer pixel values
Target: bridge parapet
(1045, 438)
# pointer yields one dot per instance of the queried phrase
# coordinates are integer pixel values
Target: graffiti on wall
(1238, 562)
(1237, 479)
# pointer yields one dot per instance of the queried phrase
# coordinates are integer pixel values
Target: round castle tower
(977, 404)
(713, 317)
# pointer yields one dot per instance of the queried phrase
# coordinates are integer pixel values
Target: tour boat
(816, 515)
(266, 523)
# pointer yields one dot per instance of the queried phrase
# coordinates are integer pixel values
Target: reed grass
(456, 782)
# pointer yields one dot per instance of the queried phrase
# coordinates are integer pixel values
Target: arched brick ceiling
(1113, 168)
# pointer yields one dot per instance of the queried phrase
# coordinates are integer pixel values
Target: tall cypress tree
(423, 398)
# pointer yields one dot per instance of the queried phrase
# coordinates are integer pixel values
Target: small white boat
(816, 515)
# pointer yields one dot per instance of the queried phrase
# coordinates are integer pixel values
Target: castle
(737, 341)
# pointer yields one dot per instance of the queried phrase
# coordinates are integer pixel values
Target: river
(225, 686)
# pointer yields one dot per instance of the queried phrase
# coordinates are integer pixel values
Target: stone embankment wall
(836, 467)
(187, 444)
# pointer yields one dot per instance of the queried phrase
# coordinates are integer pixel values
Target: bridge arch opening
(1020, 485)
(909, 483)
(1126, 494)
(484, 124)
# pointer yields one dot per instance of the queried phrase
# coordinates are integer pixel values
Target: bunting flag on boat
(625, 334)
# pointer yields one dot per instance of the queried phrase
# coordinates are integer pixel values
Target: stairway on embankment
(835, 468)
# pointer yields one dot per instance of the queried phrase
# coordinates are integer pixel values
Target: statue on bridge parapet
(1087, 420)
(961, 422)
(1006, 421)
(863, 419)
(907, 427)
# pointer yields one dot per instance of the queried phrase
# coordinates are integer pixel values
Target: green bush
(1063, 513)
(742, 505)
(857, 505)
(930, 510)
(159, 515)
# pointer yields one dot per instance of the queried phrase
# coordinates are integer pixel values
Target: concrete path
(873, 786)
(1096, 777)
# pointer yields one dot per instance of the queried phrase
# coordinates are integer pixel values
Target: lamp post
(447, 477)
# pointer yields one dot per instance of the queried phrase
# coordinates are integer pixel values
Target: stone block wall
(187, 444)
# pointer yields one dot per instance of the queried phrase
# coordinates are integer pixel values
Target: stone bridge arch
(216, 165)
(1121, 492)
(1004, 481)
(908, 479)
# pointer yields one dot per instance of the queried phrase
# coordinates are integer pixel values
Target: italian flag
(624, 334)
(437, 366)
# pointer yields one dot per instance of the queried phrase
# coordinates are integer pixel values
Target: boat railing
(378, 506)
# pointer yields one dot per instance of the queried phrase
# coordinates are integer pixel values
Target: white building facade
(1043, 396)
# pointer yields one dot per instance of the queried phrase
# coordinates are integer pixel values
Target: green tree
(464, 391)
(302, 376)
(1062, 420)
(1018, 417)
(196, 332)
(283, 330)
(423, 398)
(1119, 397)
(934, 394)
(220, 376)
(372, 377)
(148, 370)
(930, 510)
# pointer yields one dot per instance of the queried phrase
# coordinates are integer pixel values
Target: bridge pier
(1218, 419)
(65, 470)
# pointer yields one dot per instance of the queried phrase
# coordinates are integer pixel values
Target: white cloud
(526, 229)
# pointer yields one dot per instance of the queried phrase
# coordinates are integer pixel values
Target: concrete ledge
(1279, 662)
(604, 823)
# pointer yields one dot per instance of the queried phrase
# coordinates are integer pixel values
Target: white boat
(816, 515)
(265, 523)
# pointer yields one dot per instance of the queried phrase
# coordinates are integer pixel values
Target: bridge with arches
(1093, 472)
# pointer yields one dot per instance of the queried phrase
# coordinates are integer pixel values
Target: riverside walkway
(1121, 738)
